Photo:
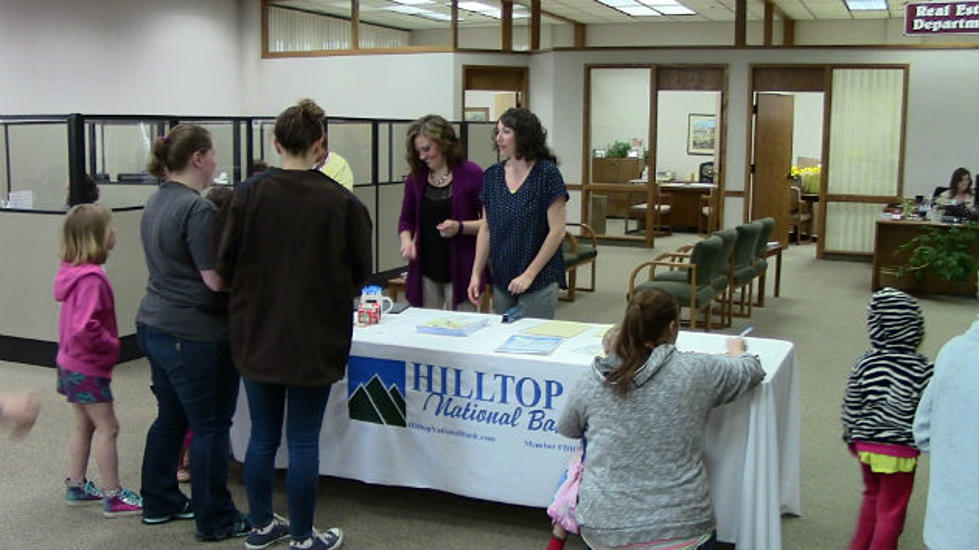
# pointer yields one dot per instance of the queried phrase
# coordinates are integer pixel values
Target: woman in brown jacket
(295, 249)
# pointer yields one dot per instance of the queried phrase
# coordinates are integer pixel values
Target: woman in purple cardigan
(440, 216)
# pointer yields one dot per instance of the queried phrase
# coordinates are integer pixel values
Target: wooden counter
(889, 235)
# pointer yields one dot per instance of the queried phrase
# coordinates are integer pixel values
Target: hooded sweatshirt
(644, 476)
(88, 341)
(886, 383)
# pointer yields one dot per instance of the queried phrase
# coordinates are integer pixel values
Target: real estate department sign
(941, 18)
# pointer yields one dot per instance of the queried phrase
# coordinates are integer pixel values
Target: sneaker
(123, 503)
(82, 494)
(276, 530)
(240, 528)
(332, 539)
(185, 513)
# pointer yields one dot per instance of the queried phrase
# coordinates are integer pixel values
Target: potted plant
(618, 150)
(947, 254)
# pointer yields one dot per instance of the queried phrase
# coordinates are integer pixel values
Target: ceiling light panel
(857, 5)
(675, 10)
(640, 11)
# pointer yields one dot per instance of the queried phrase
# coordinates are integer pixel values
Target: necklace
(440, 180)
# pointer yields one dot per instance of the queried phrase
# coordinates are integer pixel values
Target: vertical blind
(864, 151)
(296, 31)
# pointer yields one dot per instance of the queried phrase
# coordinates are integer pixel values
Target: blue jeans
(266, 405)
(196, 385)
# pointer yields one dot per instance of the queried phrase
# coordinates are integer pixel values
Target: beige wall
(30, 247)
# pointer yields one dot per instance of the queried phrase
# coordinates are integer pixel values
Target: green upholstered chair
(761, 263)
(579, 250)
(696, 290)
(743, 270)
(724, 277)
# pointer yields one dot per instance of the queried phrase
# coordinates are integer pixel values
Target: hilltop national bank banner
(941, 18)
(462, 423)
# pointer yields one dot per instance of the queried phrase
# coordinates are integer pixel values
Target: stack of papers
(453, 326)
(530, 344)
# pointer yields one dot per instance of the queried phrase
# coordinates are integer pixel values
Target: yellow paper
(563, 329)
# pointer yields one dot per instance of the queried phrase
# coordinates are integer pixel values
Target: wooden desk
(685, 201)
(889, 235)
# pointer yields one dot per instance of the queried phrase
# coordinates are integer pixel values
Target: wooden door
(773, 162)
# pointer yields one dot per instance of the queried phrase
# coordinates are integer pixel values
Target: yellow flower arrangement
(808, 177)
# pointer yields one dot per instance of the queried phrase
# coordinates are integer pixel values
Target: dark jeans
(266, 405)
(196, 385)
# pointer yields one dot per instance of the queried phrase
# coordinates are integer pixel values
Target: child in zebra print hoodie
(878, 412)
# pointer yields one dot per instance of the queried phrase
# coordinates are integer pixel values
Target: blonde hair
(85, 235)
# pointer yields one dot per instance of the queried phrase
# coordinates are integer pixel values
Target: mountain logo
(376, 391)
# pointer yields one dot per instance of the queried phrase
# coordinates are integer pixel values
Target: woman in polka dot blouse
(524, 202)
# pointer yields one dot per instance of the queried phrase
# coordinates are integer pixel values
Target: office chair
(707, 172)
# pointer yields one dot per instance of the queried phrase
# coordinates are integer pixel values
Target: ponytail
(646, 324)
(172, 152)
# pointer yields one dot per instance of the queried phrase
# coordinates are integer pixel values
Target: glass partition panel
(121, 149)
(480, 146)
(385, 148)
(38, 164)
(619, 124)
(223, 138)
(352, 140)
(479, 25)
(386, 226)
(555, 33)
(263, 142)
(521, 28)
(4, 180)
(399, 134)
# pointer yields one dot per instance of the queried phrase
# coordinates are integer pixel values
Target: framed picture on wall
(476, 114)
(701, 134)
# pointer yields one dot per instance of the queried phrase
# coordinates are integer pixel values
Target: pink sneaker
(123, 503)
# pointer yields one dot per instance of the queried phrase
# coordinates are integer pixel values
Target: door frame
(663, 76)
(805, 77)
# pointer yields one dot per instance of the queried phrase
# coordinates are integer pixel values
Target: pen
(746, 331)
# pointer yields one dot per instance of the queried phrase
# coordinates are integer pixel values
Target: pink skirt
(565, 501)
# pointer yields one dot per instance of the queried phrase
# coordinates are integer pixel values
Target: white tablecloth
(449, 413)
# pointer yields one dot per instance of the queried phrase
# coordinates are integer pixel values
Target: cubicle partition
(44, 158)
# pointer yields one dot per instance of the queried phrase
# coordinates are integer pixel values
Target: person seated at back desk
(959, 193)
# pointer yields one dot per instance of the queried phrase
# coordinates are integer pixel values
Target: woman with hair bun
(524, 201)
(296, 249)
(439, 216)
(182, 327)
(652, 401)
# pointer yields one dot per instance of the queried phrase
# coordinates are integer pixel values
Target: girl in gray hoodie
(644, 413)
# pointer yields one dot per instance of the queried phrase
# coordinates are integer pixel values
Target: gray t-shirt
(176, 231)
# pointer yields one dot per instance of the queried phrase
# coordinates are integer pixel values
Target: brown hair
(298, 127)
(531, 137)
(172, 152)
(647, 321)
(441, 133)
(85, 235)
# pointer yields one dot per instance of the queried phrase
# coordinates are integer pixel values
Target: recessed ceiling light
(657, 3)
(413, 2)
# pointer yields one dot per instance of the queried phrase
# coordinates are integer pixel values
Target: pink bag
(565, 501)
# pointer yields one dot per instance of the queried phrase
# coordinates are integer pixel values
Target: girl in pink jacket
(88, 347)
